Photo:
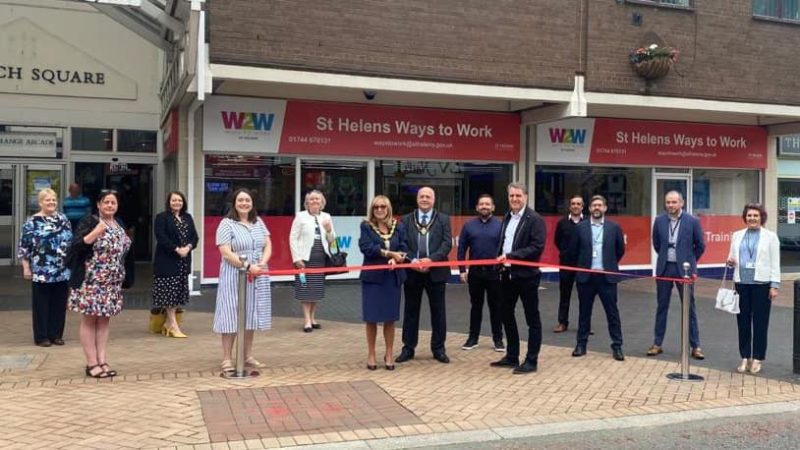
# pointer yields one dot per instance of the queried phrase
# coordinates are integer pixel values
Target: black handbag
(338, 259)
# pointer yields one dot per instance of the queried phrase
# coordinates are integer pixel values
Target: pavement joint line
(550, 429)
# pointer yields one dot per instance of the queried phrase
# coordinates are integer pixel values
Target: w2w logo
(343, 242)
(233, 120)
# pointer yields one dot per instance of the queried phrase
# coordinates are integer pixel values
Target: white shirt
(511, 230)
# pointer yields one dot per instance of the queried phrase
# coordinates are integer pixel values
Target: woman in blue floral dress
(42, 250)
(100, 245)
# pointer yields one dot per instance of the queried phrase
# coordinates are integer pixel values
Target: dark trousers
(566, 279)
(49, 305)
(527, 290)
(663, 295)
(598, 286)
(478, 286)
(753, 320)
(413, 288)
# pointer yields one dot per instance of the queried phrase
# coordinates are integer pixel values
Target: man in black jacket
(522, 237)
(565, 232)
(599, 245)
(429, 239)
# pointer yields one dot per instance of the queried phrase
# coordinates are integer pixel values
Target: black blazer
(165, 261)
(613, 249)
(529, 240)
(371, 245)
(565, 233)
(440, 242)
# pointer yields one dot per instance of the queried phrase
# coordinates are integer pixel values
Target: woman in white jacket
(309, 241)
(756, 258)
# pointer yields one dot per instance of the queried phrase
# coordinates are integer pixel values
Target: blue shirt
(597, 245)
(76, 208)
(481, 238)
(747, 257)
(43, 242)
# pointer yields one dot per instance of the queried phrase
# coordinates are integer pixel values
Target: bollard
(684, 375)
(241, 322)
(796, 346)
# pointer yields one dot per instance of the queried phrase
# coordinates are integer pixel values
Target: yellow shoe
(175, 333)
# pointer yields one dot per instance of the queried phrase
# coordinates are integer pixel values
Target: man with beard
(481, 236)
(677, 238)
(428, 237)
(599, 245)
(565, 233)
(522, 238)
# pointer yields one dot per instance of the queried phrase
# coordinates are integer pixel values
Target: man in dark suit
(429, 239)
(565, 232)
(522, 237)
(677, 238)
(600, 245)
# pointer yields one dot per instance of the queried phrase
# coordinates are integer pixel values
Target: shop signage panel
(385, 131)
(170, 132)
(242, 125)
(789, 145)
(651, 143)
(40, 145)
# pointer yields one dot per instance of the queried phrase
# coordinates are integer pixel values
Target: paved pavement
(316, 389)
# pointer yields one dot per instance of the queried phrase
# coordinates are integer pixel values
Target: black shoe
(308, 329)
(372, 366)
(57, 341)
(580, 350)
(316, 326)
(470, 344)
(526, 367)
(499, 346)
(617, 354)
(442, 358)
(505, 362)
(44, 344)
(404, 356)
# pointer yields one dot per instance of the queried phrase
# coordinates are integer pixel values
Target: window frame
(777, 19)
(660, 4)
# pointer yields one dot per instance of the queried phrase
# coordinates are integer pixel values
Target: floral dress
(101, 291)
(44, 242)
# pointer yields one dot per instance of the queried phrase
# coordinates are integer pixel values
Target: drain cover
(15, 361)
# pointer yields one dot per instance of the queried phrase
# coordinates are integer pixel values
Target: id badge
(594, 253)
(750, 265)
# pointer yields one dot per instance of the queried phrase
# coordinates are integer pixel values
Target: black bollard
(796, 346)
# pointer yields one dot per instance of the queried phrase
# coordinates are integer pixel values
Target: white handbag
(727, 299)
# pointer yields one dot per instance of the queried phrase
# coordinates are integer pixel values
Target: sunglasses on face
(379, 207)
(108, 191)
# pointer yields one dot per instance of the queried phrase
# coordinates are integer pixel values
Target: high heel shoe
(387, 365)
(173, 333)
(372, 366)
(744, 366)
(755, 367)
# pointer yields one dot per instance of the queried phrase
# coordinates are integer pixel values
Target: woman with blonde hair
(310, 238)
(43, 246)
(382, 241)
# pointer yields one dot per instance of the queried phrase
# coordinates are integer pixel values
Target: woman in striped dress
(309, 241)
(242, 232)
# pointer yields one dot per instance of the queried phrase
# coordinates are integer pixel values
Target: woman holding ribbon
(382, 242)
(755, 256)
(309, 241)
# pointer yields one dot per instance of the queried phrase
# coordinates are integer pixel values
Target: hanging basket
(653, 69)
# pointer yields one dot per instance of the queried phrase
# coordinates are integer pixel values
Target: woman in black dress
(176, 237)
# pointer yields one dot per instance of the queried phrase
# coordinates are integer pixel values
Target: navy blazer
(528, 245)
(440, 241)
(371, 245)
(689, 246)
(613, 249)
(165, 261)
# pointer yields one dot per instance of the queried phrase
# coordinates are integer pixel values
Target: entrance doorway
(134, 185)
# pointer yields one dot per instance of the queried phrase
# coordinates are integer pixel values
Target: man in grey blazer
(429, 239)
(677, 238)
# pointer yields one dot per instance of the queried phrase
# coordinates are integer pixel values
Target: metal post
(684, 375)
(241, 323)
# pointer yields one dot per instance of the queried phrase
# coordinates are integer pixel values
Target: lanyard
(597, 237)
(672, 229)
(751, 249)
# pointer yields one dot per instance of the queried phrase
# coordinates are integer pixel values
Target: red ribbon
(450, 264)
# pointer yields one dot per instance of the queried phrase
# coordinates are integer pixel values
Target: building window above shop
(137, 141)
(93, 139)
(682, 4)
(780, 10)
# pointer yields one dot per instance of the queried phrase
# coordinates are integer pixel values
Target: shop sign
(41, 145)
(41, 63)
(170, 133)
(248, 125)
(789, 145)
(651, 143)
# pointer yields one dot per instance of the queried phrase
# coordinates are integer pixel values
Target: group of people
(81, 268)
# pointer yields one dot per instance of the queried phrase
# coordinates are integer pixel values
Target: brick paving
(169, 393)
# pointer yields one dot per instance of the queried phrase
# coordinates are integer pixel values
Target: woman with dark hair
(382, 241)
(242, 232)
(43, 247)
(176, 237)
(97, 255)
(756, 258)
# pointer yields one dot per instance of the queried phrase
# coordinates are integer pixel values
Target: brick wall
(503, 42)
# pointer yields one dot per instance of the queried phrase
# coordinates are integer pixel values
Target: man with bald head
(428, 236)
(677, 238)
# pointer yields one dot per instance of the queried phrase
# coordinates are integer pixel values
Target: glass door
(38, 177)
(7, 213)
(664, 183)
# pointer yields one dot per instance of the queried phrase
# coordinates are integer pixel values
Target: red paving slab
(271, 412)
